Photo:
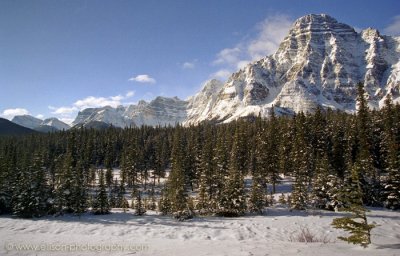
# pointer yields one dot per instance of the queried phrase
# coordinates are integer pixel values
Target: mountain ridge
(46, 125)
(318, 64)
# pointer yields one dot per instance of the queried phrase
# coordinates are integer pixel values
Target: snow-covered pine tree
(152, 200)
(391, 151)
(31, 193)
(176, 185)
(368, 174)
(319, 197)
(164, 204)
(357, 223)
(8, 177)
(79, 189)
(221, 159)
(101, 204)
(65, 183)
(257, 200)
(202, 205)
(233, 199)
(209, 180)
(301, 165)
(139, 205)
(273, 141)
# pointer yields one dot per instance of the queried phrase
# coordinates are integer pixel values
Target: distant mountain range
(47, 125)
(8, 128)
(319, 63)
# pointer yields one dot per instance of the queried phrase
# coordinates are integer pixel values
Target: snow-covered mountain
(27, 121)
(319, 63)
(54, 122)
(160, 111)
(34, 123)
(109, 115)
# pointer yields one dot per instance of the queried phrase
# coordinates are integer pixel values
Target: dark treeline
(325, 153)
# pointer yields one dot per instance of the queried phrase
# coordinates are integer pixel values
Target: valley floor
(123, 233)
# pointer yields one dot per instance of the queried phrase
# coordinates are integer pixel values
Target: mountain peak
(319, 63)
(319, 23)
(315, 18)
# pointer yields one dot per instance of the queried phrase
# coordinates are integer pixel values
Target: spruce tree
(79, 189)
(357, 223)
(391, 148)
(319, 196)
(30, 198)
(101, 204)
(176, 187)
(208, 181)
(368, 175)
(257, 195)
(301, 164)
(272, 142)
(233, 201)
(139, 205)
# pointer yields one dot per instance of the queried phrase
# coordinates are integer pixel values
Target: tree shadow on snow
(121, 218)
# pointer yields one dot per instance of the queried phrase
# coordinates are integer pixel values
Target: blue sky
(58, 57)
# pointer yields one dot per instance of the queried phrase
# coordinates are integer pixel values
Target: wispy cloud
(393, 28)
(96, 102)
(189, 64)
(11, 112)
(270, 32)
(229, 56)
(129, 94)
(143, 79)
(63, 110)
(222, 74)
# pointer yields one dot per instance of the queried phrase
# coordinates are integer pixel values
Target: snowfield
(123, 233)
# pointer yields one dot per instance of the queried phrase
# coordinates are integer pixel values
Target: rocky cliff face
(50, 124)
(57, 124)
(27, 121)
(160, 111)
(319, 63)
(109, 115)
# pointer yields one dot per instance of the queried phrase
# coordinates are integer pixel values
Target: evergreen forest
(335, 159)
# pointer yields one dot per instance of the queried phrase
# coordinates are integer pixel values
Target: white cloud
(129, 94)
(270, 32)
(221, 74)
(393, 28)
(228, 56)
(189, 65)
(117, 98)
(63, 110)
(11, 112)
(96, 102)
(40, 116)
(143, 79)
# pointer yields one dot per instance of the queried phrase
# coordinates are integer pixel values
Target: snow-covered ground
(152, 234)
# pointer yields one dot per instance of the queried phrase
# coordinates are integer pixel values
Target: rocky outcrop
(319, 63)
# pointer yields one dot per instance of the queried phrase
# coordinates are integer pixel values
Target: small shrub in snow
(306, 236)
(183, 215)
(282, 199)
